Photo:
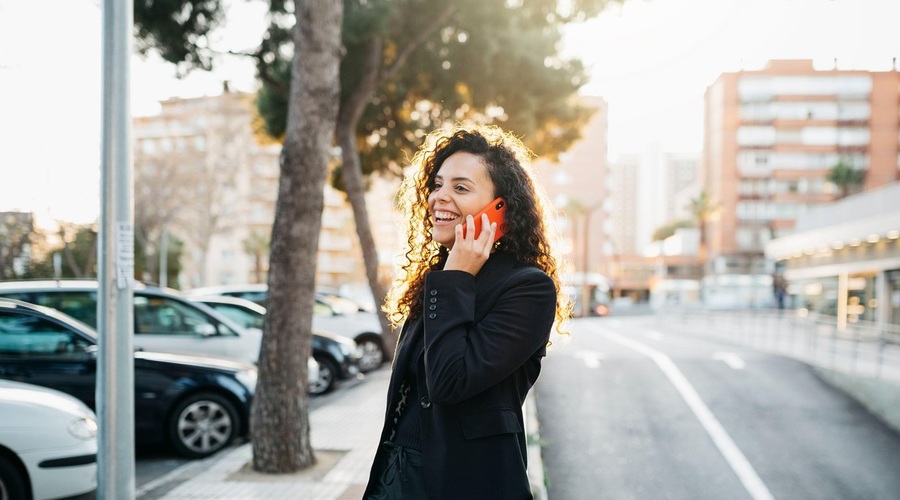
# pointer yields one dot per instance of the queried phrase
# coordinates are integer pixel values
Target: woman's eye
(461, 188)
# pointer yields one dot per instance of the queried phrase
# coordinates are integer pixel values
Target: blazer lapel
(405, 343)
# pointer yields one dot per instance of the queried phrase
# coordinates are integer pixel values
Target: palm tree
(702, 208)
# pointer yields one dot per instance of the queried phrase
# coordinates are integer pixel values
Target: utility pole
(115, 363)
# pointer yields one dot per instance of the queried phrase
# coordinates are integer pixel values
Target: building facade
(576, 185)
(843, 259)
(202, 176)
(771, 138)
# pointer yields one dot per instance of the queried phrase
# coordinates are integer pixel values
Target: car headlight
(248, 378)
(83, 428)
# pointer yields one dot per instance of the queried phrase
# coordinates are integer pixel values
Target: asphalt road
(631, 411)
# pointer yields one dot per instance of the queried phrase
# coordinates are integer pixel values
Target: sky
(651, 60)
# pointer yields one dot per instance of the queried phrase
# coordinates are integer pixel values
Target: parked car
(163, 320)
(48, 444)
(328, 314)
(338, 356)
(198, 404)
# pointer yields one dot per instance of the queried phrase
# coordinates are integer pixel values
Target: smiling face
(462, 187)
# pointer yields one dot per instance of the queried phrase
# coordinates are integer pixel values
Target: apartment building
(771, 138)
(202, 176)
(576, 185)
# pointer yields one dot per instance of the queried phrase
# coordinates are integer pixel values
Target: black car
(197, 404)
(338, 356)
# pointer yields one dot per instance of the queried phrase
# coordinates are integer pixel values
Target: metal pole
(115, 365)
(164, 258)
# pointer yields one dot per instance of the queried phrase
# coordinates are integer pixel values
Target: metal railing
(863, 348)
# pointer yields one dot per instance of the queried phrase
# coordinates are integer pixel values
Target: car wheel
(12, 484)
(327, 376)
(372, 353)
(203, 424)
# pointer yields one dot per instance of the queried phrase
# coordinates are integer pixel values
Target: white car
(48, 443)
(331, 313)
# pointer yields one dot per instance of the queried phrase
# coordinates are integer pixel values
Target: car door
(164, 324)
(36, 350)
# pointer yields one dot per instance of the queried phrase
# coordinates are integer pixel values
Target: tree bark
(280, 417)
(351, 173)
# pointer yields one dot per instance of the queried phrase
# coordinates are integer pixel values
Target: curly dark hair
(528, 237)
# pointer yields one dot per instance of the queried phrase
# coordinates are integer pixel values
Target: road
(631, 411)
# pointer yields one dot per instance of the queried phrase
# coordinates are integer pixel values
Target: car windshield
(340, 304)
(166, 316)
(241, 316)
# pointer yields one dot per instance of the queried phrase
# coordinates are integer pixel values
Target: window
(79, 305)
(766, 87)
(756, 136)
(23, 335)
(240, 316)
(827, 136)
(164, 316)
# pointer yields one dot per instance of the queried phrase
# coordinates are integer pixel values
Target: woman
(476, 316)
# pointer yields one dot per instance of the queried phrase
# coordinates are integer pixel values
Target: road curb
(533, 440)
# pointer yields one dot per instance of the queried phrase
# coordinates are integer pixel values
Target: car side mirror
(205, 330)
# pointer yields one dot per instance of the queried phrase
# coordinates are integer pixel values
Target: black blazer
(485, 336)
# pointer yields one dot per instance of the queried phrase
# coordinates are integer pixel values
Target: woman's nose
(440, 194)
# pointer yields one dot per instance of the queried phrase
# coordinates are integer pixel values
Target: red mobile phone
(496, 211)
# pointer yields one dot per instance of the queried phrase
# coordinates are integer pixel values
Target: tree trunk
(280, 415)
(351, 110)
(351, 173)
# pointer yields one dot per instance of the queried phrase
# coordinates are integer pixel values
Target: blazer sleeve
(463, 358)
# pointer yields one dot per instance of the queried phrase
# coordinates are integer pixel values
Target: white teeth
(444, 216)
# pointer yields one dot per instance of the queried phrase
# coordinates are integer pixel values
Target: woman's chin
(444, 236)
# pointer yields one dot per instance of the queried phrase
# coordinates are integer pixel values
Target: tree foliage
(667, 230)
(846, 178)
(445, 61)
(178, 30)
(16, 232)
(73, 245)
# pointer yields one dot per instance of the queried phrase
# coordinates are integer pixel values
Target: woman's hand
(470, 253)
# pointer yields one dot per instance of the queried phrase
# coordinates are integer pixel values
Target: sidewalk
(344, 433)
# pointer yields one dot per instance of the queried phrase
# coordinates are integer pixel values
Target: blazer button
(434, 292)
(425, 402)
(432, 307)
(432, 315)
(433, 300)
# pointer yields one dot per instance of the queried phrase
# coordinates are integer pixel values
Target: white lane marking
(733, 455)
(731, 359)
(591, 358)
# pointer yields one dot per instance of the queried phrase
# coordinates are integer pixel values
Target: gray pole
(115, 364)
(164, 258)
